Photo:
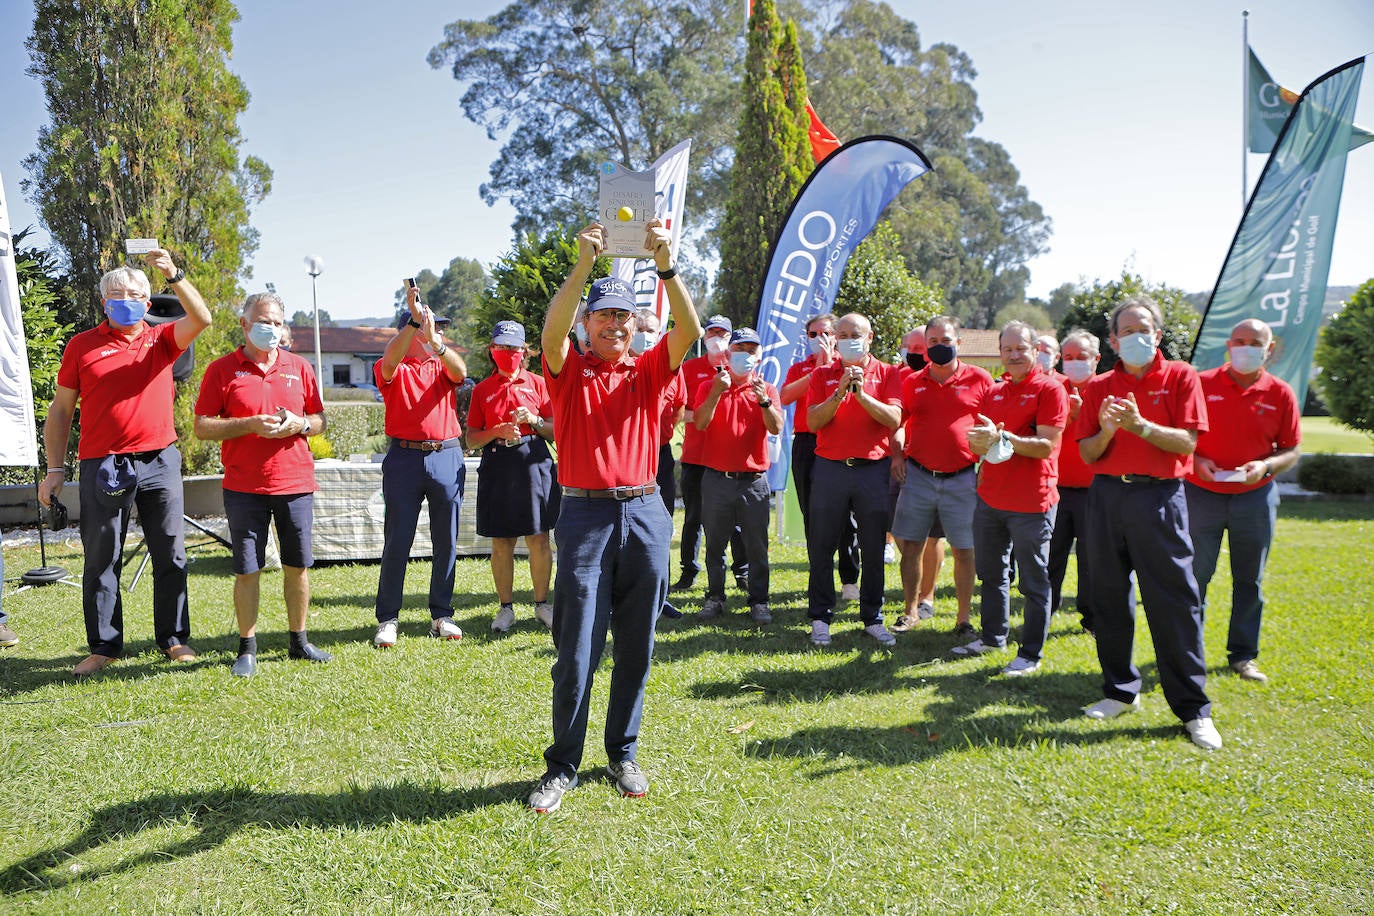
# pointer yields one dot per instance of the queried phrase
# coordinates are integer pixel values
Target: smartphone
(410, 282)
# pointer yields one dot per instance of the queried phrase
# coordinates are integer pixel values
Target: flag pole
(1245, 108)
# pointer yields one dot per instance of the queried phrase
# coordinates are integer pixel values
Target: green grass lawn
(784, 779)
(1323, 434)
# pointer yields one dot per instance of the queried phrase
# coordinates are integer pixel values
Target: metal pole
(1245, 108)
(319, 362)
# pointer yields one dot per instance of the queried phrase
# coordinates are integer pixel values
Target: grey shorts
(926, 500)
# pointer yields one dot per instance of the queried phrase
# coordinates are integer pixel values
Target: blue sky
(1124, 120)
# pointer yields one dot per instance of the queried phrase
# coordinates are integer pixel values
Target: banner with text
(836, 208)
(18, 436)
(1277, 266)
(670, 190)
(1270, 104)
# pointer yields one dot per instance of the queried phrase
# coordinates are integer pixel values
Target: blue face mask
(642, 341)
(264, 336)
(851, 349)
(1136, 349)
(126, 311)
(742, 363)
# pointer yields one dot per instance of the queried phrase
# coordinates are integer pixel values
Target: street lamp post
(314, 265)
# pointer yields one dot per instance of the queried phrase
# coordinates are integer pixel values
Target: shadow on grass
(141, 659)
(217, 815)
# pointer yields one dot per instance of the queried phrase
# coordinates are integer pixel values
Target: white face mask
(1078, 370)
(1246, 360)
(1045, 361)
(851, 349)
(642, 341)
(1137, 349)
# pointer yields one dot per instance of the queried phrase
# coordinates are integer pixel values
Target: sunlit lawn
(785, 779)
(1323, 434)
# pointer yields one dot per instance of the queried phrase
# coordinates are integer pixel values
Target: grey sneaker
(246, 665)
(714, 607)
(445, 628)
(505, 619)
(1247, 669)
(977, 647)
(548, 793)
(8, 637)
(925, 610)
(1108, 708)
(543, 611)
(820, 633)
(760, 614)
(1020, 667)
(881, 634)
(630, 780)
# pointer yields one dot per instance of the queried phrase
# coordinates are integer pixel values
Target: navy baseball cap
(508, 334)
(611, 293)
(745, 335)
(719, 321)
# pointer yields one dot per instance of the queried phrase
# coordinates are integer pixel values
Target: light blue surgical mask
(1246, 360)
(1137, 349)
(126, 311)
(742, 363)
(264, 336)
(813, 346)
(642, 341)
(851, 349)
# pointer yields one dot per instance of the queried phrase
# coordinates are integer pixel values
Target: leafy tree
(570, 84)
(1343, 355)
(143, 139)
(1092, 306)
(1059, 302)
(451, 293)
(878, 285)
(523, 282)
(1034, 315)
(303, 319)
(772, 160)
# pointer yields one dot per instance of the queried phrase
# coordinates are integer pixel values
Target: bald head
(1252, 333)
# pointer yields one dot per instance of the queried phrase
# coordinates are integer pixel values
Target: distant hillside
(1335, 295)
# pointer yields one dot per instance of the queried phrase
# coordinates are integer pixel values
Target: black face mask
(941, 354)
(917, 361)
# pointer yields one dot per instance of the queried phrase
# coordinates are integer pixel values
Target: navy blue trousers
(409, 477)
(1247, 519)
(839, 491)
(1071, 535)
(998, 535)
(161, 508)
(803, 469)
(612, 576)
(1143, 527)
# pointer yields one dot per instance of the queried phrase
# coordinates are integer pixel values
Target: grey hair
(1087, 340)
(1018, 326)
(1138, 302)
(948, 321)
(255, 298)
(128, 277)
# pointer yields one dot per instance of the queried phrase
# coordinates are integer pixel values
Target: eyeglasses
(126, 294)
(618, 316)
(816, 333)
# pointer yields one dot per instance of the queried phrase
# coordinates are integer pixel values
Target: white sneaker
(386, 635)
(1204, 733)
(820, 633)
(505, 619)
(445, 628)
(889, 554)
(1020, 667)
(977, 647)
(1107, 708)
(544, 612)
(849, 591)
(881, 634)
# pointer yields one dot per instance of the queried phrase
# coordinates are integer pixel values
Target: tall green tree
(451, 293)
(878, 285)
(143, 139)
(1093, 304)
(522, 284)
(772, 161)
(570, 84)
(1343, 355)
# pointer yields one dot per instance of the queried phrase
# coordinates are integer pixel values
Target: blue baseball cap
(611, 293)
(508, 334)
(719, 321)
(745, 335)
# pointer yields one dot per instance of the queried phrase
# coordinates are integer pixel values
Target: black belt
(938, 475)
(616, 493)
(739, 475)
(427, 445)
(1139, 478)
(855, 462)
(142, 456)
(513, 443)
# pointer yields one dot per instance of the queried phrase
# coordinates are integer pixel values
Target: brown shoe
(904, 623)
(1250, 671)
(181, 653)
(91, 664)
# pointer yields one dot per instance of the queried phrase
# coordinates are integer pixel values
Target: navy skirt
(517, 490)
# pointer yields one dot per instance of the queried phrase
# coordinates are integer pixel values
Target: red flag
(823, 142)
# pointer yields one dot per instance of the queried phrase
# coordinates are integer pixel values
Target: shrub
(1340, 474)
(1345, 380)
(351, 425)
(320, 447)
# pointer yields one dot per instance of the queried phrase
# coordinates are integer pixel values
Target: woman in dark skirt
(511, 420)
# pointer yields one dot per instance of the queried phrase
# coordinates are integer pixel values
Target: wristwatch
(766, 402)
(177, 277)
(412, 323)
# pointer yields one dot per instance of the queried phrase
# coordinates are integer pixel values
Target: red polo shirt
(673, 399)
(607, 416)
(938, 416)
(852, 433)
(420, 402)
(736, 439)
(496, 397)
(694, 372)
(1169, 395)
(1073, 470)
(1246, 424)
(1022, 483)
(235, 386)
(794, 372)
(124, 388)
